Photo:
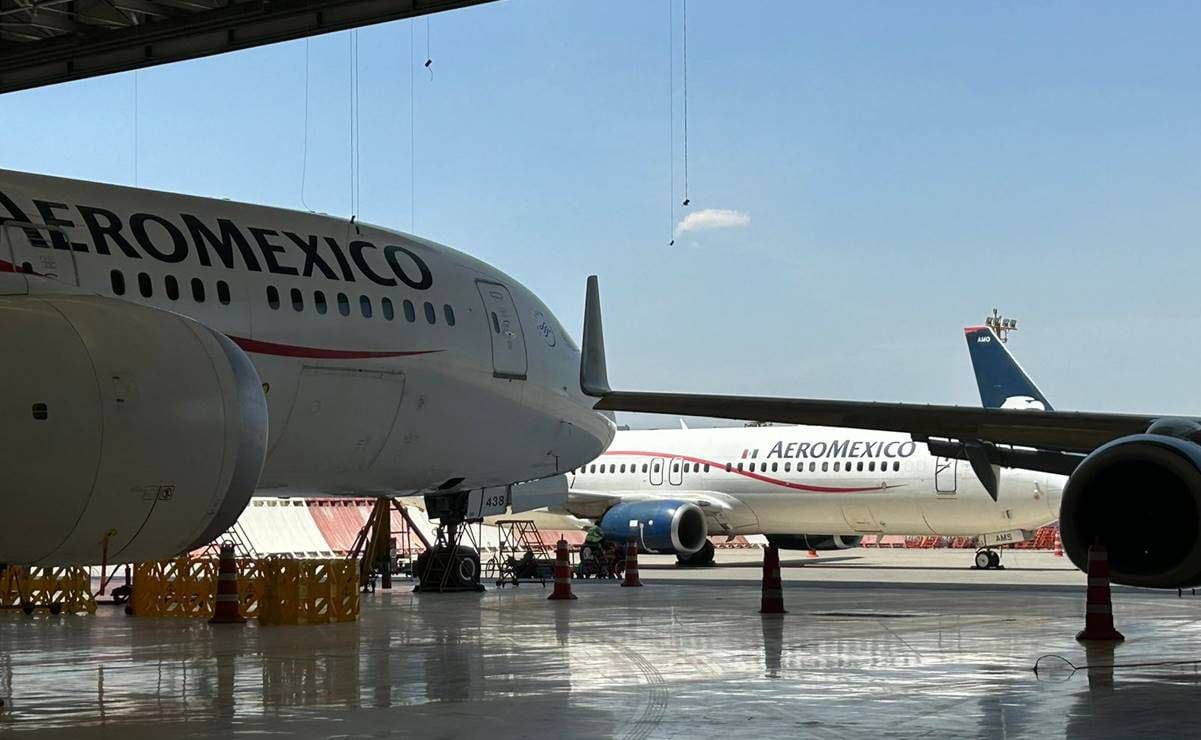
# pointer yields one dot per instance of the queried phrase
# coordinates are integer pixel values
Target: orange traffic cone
(226, 610)
(1058, 544)
(773, 588)
(1098, 610)
(562, 590)
(632, 578)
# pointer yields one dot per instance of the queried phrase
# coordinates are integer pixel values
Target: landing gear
(987, 559)
(450, 564)
(703, 556)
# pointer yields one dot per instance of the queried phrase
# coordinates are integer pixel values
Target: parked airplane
(672, 488)
(1134, 480)
(166, 356)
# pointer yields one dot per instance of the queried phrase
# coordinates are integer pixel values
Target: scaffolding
(383, 550)
(521, 555)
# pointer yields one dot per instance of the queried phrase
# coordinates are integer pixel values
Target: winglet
(594, 375)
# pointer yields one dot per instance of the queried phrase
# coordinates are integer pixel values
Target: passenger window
(385, 306)
(826, 467)
(495, 323)
(449, 313)
(319, 301)
(860, 466)
(775, 467)
(727, 467)
(787, 467)
(812, 467)
(739, 467)
(172, 286)
(430, 314)
(297, 299)
(223, 292)
(118, 281)
(144, 286)
(411, 316)
(836, 465)
(272, 297)
(612, 468)
(343, 304)
(198, 290)
(706, 467)
(593, 469)
(644, 467)
(656, 467)
(365, 306)
(871, 466)
(896, 466)
(675, 467)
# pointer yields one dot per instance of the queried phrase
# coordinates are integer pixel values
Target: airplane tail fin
(1002, 381)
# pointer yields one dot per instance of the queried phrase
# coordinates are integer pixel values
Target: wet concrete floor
(681, 657)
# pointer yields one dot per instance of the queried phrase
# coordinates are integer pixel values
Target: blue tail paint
(1002, 382)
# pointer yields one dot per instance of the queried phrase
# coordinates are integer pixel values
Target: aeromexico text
(840, 448)
(159, 238)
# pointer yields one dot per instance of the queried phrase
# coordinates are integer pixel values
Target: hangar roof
(47, 41)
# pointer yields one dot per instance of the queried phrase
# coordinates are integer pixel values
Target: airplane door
(675, 471)
(656, 473)
(508, 341)
(17, 245)
(946, 474)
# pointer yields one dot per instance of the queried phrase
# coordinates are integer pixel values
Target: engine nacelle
(120, 422)
(814, 541)
(658, 526)
(1141, 495)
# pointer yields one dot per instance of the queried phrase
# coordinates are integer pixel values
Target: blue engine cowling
(814, 541)
(672, 527)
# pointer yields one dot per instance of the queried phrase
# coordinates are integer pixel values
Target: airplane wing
(1062, 431)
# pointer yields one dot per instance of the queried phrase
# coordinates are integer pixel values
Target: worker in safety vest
(594, 536)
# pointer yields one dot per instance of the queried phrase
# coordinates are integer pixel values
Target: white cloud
(712, 218)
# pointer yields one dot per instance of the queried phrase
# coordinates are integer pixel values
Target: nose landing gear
(988, 559)
(451, 564)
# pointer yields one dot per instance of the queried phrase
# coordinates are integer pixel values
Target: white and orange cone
(1098, 609)
(226, 610)
(1058, 544)
(632, 578)
(562, 590)
(773, 586)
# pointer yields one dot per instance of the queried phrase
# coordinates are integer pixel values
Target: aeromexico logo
(857, 449)
(185, 237)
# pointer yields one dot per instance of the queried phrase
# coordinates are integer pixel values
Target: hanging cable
(429, 59)
(671, 127)
(135, 127)
(412, 140)
(686, 201)
(304, 157)
(358, 198)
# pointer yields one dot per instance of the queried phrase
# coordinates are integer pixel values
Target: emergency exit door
(30, 249)
(508, 340)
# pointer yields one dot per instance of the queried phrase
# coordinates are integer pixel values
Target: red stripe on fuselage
(756, 476)
(258, 346)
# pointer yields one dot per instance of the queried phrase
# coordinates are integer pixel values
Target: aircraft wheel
(984, 559)
(994, 559)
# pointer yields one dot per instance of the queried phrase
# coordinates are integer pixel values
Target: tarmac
(876, 643)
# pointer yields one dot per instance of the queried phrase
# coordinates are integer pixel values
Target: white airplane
(819, 488)
(1133, 480)
(166, 356)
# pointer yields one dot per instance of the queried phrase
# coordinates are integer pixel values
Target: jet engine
(814, 541)
(126, 432)
(658, 526)
(1140, 496)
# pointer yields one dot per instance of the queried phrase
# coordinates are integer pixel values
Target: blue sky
(901, 168)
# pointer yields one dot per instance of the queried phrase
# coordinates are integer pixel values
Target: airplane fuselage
(816, 480)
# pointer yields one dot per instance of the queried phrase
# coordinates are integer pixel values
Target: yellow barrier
(273, 590)
(65, 590)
